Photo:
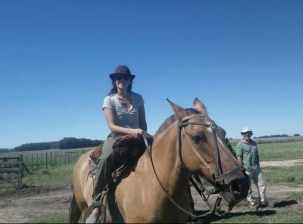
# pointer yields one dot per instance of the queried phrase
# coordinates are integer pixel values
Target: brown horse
(155, 189)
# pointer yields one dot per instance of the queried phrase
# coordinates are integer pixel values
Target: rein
(218, 177)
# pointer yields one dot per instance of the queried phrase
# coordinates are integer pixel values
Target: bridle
(217, 174)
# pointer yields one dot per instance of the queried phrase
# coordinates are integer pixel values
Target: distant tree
(37, 146)
(296, 134)
(72, 143)
(5, 150)
(65, 143)
(273, 136)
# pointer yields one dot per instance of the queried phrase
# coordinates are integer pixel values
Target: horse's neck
(168, 165)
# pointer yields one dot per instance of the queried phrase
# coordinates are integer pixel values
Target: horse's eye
(197, 139)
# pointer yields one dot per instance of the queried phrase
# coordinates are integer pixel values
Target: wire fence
(38, 160)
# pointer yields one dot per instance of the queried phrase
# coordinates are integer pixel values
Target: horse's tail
(74, 211)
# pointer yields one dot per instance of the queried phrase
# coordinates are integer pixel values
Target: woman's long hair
(114, 89)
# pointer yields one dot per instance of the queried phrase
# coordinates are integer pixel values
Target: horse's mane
(171, 119)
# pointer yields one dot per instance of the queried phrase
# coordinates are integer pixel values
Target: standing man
(247, 154)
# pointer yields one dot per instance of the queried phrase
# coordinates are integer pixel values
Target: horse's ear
(179, 111)
(199, 106)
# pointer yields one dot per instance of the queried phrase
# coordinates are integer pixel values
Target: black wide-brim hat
(122, 70)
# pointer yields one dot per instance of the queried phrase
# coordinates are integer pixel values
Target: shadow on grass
(283, 204)
(209, 218)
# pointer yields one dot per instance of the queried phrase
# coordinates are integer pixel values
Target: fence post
(46, 160)
(20, 174)
(55, 158)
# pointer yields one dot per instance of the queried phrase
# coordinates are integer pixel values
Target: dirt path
(285, 163)
(20, 207)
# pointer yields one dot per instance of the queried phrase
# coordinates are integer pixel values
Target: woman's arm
(142, 119)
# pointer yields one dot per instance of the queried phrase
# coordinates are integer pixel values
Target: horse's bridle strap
(184, 122)
(229, 173)
(218, 177)
(199, 156)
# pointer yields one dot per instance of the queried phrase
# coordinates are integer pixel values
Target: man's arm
(240, 160)
(239, 154)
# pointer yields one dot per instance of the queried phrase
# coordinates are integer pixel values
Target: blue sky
(243, 59)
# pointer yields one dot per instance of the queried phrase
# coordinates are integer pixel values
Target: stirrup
(90, 209)
(98, 202)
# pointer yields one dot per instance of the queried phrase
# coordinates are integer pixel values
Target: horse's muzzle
(236, 190)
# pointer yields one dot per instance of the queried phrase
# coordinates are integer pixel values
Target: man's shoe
(251, 205)
(263, 204)
(252, 202)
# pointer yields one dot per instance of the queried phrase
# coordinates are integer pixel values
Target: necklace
(123, 97)
(125, 101)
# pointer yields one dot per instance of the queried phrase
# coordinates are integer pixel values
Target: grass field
(280, 151)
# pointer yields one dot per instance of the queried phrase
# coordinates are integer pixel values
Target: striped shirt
(127, 118)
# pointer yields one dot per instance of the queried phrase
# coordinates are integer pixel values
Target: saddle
(126, 149)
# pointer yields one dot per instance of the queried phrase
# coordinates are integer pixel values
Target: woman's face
(122, 81)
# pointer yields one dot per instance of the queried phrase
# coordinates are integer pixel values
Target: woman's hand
(136, 131)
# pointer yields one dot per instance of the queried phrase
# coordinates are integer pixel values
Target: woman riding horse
(125, 114)
(155, 189)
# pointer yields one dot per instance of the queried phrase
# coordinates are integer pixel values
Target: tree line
(277, 136)
(65, 143)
